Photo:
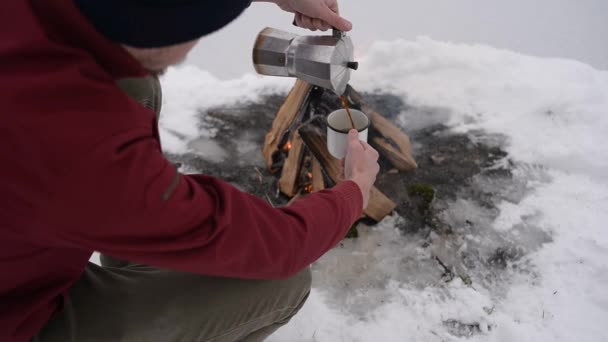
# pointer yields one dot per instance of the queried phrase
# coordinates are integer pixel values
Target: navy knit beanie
(157, 23)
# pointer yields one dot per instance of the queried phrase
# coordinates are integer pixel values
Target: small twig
(260, 177)
(269, 200)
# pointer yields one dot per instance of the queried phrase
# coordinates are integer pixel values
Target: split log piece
(318, 183)
(400, 162)
(291, 167)
(294, 103)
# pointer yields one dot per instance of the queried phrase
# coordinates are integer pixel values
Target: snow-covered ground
(554, 116)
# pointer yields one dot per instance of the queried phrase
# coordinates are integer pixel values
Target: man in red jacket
(83, 171)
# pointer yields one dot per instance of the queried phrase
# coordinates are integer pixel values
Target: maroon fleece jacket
(81, 170)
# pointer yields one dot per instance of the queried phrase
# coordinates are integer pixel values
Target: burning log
(294, 105)
(291, 168)
(316, 140)
(305, 177)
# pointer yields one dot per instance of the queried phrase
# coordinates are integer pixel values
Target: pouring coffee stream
(350, 116)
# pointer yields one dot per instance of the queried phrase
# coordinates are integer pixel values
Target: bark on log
(318, 183)
(399, 160)
(294, 103)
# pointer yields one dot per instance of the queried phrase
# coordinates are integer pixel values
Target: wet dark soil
(447, 162)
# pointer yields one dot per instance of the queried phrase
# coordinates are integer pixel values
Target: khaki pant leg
(142, 303)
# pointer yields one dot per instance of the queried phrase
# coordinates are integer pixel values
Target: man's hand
(315, 14)
(361, 164)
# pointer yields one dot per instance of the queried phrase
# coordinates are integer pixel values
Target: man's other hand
(361, 164)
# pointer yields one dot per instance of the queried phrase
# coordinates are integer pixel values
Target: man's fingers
(368, 147)
(298, 19)
(373, 151)
(370, 150)
(334, 20)
(353, 136)
(307, 21)
(304, 21)
(319, 25)
(354, 142)
(325, 25)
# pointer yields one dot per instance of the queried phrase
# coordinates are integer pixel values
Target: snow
(190, 91)
(545, 28)
(558, 107)
(553, 115)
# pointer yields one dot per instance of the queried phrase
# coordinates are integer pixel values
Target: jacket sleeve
(125, 199)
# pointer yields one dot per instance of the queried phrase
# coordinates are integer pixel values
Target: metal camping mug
(338, 125)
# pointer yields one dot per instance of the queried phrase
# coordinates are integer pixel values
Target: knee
(299, 287)
(303, 282)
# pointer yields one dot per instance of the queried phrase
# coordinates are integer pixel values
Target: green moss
(424, 193)
(353, 233)
(466, 279)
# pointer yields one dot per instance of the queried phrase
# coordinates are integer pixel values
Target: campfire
(295, 148)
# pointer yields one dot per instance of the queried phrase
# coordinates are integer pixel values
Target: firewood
(291, 168)
(379, 205)
(294, 103)
(296, 197)
(318, 183)
(394, 144)
(316, 140)
(399, 160)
